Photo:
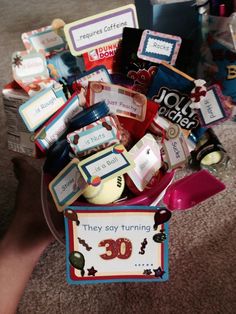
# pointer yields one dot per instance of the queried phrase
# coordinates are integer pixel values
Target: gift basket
(115, 112)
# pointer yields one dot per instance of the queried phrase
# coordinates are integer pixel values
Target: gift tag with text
(27, 66)
(30, 71)
(157, 47)
(43, 40)
(113, 244)
(121, 101)
(92, 32)
(106, 164)
(176, 151)
(213, 109)
(40, 107)
(99, 74)
(94, 137)
(67, 186)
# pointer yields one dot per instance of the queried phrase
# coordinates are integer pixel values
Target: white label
(106, 165)
(42, 108)
(46, 40)
(175, 151)
(95, 138)
(158, 46)
(210, 108)
(96, 32)
(118, 104)
(30, 67)
(70, 184)
(145, 162)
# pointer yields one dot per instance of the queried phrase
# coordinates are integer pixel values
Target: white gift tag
(176, 151)
(147, 157)
(67, 186)
(39, 108)
(212, 109)
(120, 100)
(94, 31)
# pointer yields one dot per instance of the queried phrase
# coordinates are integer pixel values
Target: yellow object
(57, 23)
(211, 159)
(58, 27)
(105, 193)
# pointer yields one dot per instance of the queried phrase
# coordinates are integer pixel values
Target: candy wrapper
(140, 71)
(171, 89)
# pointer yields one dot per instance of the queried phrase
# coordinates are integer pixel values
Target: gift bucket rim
(145, 198)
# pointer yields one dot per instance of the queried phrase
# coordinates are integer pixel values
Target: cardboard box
(19, 139)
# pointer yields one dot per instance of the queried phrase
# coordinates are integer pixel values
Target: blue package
(98, 73)
(63, 65)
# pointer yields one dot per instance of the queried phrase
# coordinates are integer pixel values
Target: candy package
(140, 71)
(171, 89)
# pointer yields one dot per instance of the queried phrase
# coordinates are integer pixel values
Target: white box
(19, 139)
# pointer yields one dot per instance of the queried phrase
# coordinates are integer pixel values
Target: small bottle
(88, 116)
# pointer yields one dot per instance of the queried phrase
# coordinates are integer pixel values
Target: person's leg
(25, 239)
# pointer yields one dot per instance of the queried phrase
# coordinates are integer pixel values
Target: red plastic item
(192, 190)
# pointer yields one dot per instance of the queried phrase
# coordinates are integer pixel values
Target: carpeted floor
(202, 240)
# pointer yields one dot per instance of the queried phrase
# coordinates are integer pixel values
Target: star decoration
(17, 61)
(147, 272)
(92, 271)
(159, 272)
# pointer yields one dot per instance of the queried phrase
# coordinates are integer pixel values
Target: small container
(89, 115)
(196, 134)
(209, 153)
(57, 157)
(94, 137)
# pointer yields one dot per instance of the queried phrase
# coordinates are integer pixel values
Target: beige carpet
(202, 240)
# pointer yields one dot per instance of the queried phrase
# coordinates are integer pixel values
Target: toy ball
(106, 192)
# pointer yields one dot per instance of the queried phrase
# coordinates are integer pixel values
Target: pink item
(192, 190)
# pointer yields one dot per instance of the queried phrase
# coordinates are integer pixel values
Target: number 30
(120, 248)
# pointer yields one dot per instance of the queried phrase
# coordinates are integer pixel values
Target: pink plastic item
(191, 190)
